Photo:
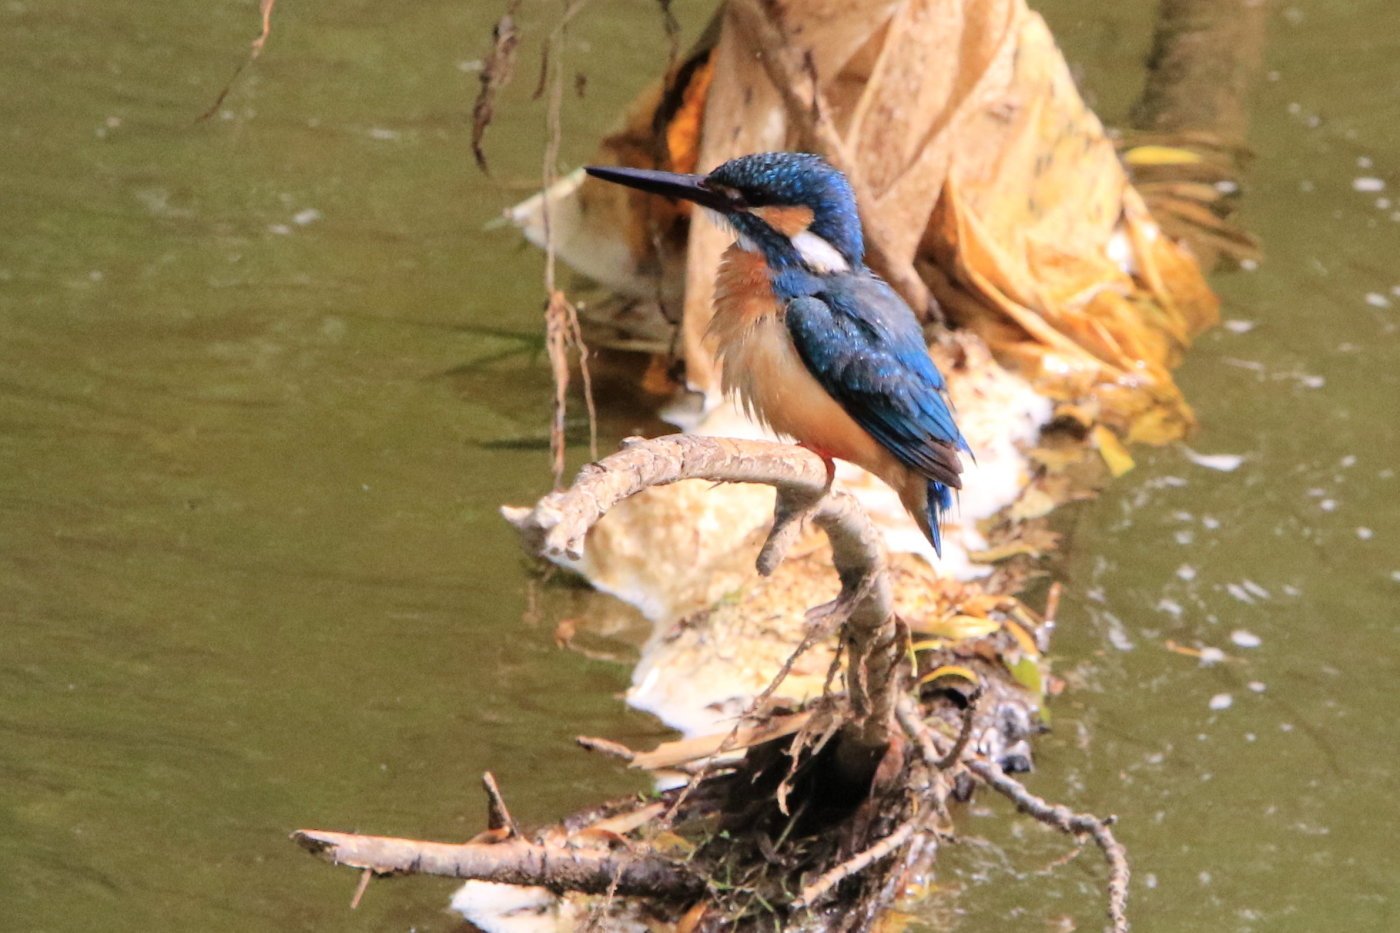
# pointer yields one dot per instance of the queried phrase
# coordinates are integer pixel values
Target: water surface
(265, 379)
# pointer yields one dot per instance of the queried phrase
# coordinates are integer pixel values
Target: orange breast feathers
(760, 365)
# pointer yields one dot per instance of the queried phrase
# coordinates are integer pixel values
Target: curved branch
(557, 525)
(1066, 820)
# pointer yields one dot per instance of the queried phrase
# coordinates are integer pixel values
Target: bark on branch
(514, 861)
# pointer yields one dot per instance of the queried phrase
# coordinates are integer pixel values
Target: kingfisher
(814, 344)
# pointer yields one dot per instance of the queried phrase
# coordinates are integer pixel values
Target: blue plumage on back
(863, 345)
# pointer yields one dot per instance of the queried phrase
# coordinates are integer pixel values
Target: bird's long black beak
(666, 184)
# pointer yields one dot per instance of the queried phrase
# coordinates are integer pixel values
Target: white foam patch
(1225, 463)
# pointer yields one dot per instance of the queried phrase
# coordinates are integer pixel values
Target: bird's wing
(864, 347)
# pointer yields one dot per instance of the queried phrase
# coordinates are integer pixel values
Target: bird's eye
(734, 196)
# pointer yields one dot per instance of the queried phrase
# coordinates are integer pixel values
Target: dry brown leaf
(670, 754)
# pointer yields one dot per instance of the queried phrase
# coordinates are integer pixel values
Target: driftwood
(876, 738)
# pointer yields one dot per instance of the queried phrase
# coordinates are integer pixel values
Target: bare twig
(817, 889)
(360, 888)
(590, 870)
(606, 747)
(496, 73)
(265, 12)
(497, 813)
(1052, 603)
(907, 710)
(969, 715)
(562, 330)
(790, 509)
(562, 335)
(1066, 820)
(741, 736)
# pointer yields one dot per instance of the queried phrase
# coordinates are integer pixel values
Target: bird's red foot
(826, 459)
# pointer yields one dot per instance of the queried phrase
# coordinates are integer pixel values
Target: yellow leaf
(1028, 674)
(1023, 638)
(1114, 453)
(951, 670)
(668, 843)
(959, 627)
(1160, 155)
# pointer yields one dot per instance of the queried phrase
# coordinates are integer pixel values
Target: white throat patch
(818, 254)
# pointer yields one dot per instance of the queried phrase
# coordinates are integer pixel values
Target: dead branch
(498, 818)
(563, 868)
(872, 640)
(1056, 816)
(818, 889)
(1206, 58)
(1066, 820)
(969, 716)
(557, 525)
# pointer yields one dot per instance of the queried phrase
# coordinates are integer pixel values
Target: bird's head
(793, 207)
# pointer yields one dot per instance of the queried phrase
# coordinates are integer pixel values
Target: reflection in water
(265, 379)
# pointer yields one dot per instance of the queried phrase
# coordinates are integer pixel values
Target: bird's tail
(927, 501)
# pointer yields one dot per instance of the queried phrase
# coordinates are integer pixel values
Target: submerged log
(1187, 146)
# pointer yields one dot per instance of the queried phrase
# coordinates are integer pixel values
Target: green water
(264, 380)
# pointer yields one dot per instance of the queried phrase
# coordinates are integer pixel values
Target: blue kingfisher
(814, 344)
